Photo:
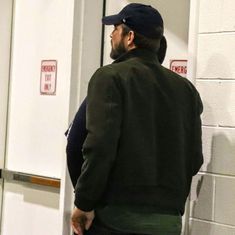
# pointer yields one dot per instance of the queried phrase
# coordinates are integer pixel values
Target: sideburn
(118, 51)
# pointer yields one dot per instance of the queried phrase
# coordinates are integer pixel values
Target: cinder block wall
(213, 190)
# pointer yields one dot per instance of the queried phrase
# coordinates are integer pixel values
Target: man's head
(136, 25)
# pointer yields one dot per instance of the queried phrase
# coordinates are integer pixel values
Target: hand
(81, 220)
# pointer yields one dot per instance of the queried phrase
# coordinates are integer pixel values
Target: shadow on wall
(202, 189)
(201, 200)
(33, 194)
(174, 14)
(223, 152)
(203, 195)
(219, 152)
(217, 95)
(212, 65)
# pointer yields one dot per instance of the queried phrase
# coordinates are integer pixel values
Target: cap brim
(112, 20)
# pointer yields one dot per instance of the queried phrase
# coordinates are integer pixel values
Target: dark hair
(141, 41)
(161, 53)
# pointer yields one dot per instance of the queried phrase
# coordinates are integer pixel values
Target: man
(76, 133)
(144, 136)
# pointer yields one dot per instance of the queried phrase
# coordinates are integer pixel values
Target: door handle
(30, 178)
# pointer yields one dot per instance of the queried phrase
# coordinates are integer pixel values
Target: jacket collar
(138, 52)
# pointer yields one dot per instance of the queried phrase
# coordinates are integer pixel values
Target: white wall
(86, 49)
(86, 54)
(213, 207)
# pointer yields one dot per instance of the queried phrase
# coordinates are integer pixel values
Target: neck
(131, 47)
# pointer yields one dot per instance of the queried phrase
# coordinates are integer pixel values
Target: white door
(36, 121)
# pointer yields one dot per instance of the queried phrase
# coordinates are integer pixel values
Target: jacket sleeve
(99, 150)
(198, 155)
(75, 138)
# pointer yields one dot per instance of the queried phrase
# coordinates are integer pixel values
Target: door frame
(191, 75)
(6, 19)
(87, 25)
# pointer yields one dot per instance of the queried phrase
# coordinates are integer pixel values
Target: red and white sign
(179, 67)
(48, 77)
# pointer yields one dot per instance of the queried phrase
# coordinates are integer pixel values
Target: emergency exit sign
(179, 67)
(48, 77)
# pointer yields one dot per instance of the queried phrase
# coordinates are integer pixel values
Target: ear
(130, 39)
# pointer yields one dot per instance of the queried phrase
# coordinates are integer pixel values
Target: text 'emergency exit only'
(48, 77)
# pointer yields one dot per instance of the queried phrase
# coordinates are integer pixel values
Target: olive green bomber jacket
(144, 136)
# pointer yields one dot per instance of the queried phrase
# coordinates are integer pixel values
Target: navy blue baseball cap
(141, 18)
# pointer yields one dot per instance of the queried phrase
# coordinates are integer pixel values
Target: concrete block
(207, 228)
(210, 15)
(228, 19)
(218, 98)
(207, 140)
(211, 105)
(216, 57)
(227, 110)
(225, 200)
(223, 152)
(219, 150)
(202, 197)
(216, 16)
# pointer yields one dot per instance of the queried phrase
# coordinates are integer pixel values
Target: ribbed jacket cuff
(84, 204)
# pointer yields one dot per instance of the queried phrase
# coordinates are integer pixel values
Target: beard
(118, 51)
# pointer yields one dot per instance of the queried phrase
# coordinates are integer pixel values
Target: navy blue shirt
(76, 136)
